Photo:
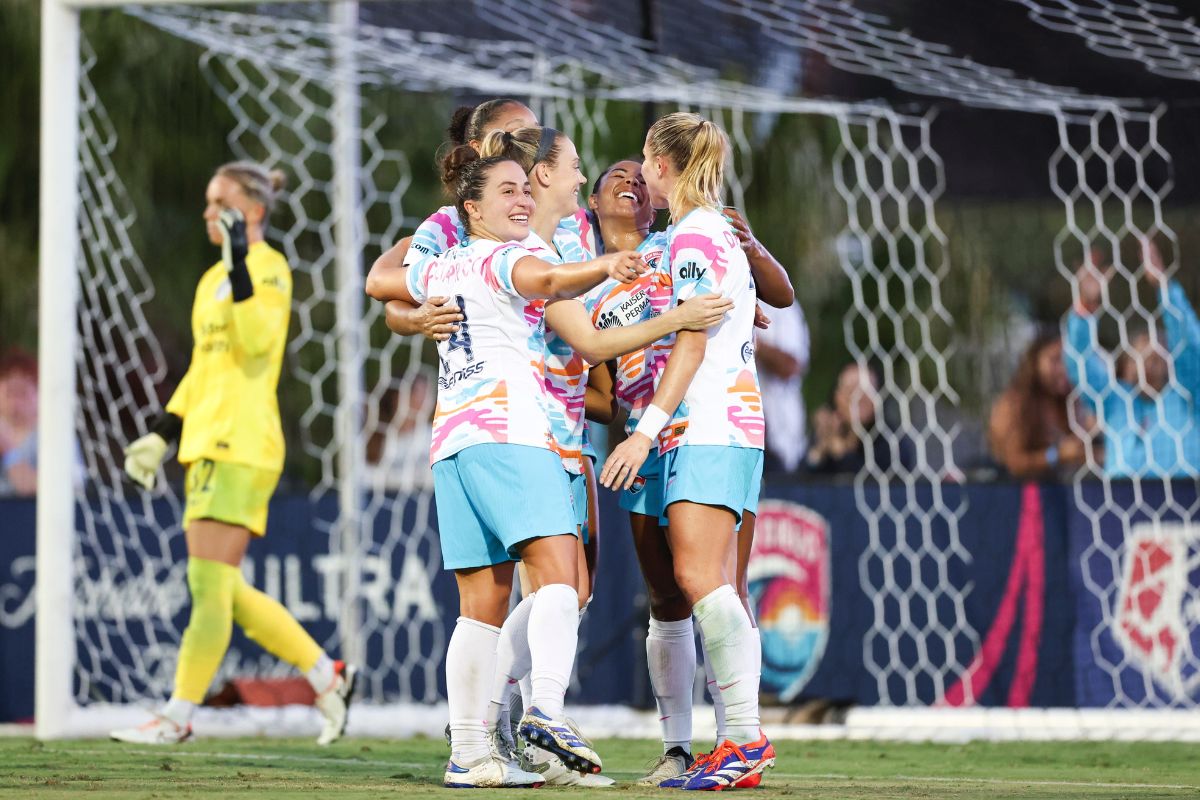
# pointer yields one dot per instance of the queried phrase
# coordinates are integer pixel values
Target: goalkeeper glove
(234, 246)
(143, 457)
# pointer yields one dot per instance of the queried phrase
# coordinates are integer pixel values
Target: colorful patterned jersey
(615, 303)
(566, 374)
(490, 374)
(443, 230)
(723, 404)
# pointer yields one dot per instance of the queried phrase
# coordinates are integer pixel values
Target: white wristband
(653, 420)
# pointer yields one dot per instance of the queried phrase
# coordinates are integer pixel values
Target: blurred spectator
(1030, 428)
(781, 352)
(1151, 423)
(837, 447)
(398, 449)
(18, 423)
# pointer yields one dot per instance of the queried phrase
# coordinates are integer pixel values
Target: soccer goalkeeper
(225, 416)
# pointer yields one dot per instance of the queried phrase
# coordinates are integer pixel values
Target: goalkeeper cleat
(492, 771)
(732, 766)
(334, 702)
(670, 764)
(159, 730)
(560, 738)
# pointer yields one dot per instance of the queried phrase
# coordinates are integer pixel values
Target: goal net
(350, 102)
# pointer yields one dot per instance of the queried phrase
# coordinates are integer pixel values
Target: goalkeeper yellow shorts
(231, 493)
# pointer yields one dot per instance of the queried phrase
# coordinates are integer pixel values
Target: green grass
(371, 768)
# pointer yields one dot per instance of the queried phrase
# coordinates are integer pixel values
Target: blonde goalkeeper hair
(698, 150)
(259, 184)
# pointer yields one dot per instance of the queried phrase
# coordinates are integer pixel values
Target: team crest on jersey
(1157, 606)
(747, 352)
(788, 575)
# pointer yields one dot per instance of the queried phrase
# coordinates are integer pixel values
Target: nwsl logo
(1157, 609)
(789, 583)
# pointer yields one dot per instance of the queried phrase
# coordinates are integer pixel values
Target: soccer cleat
(334, 702)
(732, 766)
(492, 771)
(670, 764)
(551, 767)
(159, 730)
(679, 780)
(560, 738)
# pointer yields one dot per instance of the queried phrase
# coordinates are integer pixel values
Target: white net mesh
(276, 70)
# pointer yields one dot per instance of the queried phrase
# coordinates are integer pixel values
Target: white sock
(756, 651)
(321, 676)
(512, 659)
(671, 658)
(526, 685)
(179, 711)
(710, 683)
(729, 645)
(470, 667)
(553, 637)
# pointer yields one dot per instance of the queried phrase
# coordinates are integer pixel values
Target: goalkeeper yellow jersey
(228, 398)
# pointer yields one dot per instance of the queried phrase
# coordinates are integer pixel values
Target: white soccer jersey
(566, 372)
(723, 404)
(443, 230)
(615, 303)
(490, 374)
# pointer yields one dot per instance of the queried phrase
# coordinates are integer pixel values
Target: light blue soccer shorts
(492, 497)
(713, 475)
(645, 496)
(579, 501)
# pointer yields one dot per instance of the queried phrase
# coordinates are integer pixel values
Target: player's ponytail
(257, 183)
(526, 146)
(698, 150)
(453, 163)
(471, 179)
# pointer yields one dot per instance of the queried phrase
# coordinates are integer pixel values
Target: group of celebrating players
(531, 299)
(546, 315)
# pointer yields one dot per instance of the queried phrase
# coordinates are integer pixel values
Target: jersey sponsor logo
(447, 381)
(788, 573)
(420, 248)
(747, 352)
(692, 271)
(607, 320)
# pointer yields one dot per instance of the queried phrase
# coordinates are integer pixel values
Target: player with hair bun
(706, 418)
(492, 423)
(225, 416)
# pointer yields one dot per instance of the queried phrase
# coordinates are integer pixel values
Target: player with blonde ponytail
(706, 418)
(225, 416)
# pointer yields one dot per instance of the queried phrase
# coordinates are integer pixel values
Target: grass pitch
(371, 768)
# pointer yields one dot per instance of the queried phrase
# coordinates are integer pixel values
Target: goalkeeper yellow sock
(267, 622)
(207, 635)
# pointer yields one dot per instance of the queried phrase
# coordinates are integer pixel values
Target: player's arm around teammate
(489, 398)
(713, 434)
(226, 417)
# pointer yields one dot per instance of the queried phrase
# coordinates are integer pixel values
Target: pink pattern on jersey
(449, 227)
(708, 248)
(485, 412)
(586, 234)
(745, 409)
